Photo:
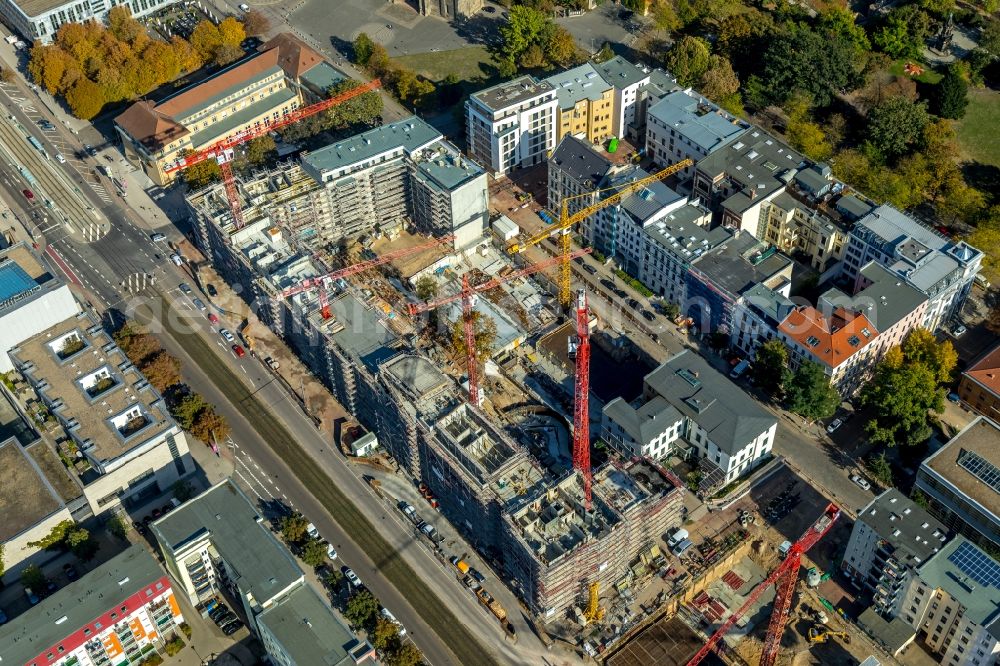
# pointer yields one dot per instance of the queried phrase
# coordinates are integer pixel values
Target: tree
(313, 552)
(85, 99)
(80, 543)
(880, 469)
(800, 59)
(54, 539)
(3, 567)
(808, 393)
(122, 24)
(202, 174)
(33, 578)
(188, 58)
(920, 499)
(987, 237)
(989, 38)
(664, 15)
(355, 112)
(427, 288)
(904, 32)
(485, 331)
(902, 392)
(895, 127)
(182, 490)
(688, 60)
(231, 32)
(226, 53)
(378, 61)
(162, 370)
(363, 48)
(560, 47)
(719, 82)
(118, 527)
(255, 23)
(385, 634)
(138, 345)
(406, 655)
(839, 22)
(770, 367)
(361, 608)
(210, 426)
(333, 578)
(293, 528)
(951, 95)
(187, 408)
(920, 346)
(7, 75)
(205, 38)
(261, 149)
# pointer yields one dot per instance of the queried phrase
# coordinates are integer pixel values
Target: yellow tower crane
(594, 612)
(566, 221)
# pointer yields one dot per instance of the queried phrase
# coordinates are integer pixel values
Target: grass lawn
(977, 131)
(469, 64)
(929, 75)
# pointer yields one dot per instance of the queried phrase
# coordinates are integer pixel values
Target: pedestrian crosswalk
(94, 231)
(101, 191)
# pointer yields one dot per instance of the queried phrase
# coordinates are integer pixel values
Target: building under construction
(555, 547)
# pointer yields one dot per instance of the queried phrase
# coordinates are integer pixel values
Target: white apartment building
(626, 79)
(512, 125)
(41, 19)
(941, 268)
(685, 125)
(125, 446)
(952, 603)
(31, 299)
(891, 538)
(688, 408)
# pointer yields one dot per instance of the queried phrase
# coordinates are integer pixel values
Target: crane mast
(581, 396)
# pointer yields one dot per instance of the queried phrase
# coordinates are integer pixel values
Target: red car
(212, 317)
(238, 351)
(28, 194)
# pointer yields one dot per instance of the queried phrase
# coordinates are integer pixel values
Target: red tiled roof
(294, 55)
(830, 340)
(986, 370)
(150, 127)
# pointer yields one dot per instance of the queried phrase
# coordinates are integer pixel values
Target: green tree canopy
(363, 48)
(293, 528)
(951, 96)
(313, 552)
(798, 58)
(385, 634)
(808, 393)
(770, 367)
(426, 287)
(362, 609)
(688, 60)
(486, 334)
(896, 127)
(881, 469)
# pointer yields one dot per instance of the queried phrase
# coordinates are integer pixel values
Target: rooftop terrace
(103, 402)
(26, 496)
(971, 463)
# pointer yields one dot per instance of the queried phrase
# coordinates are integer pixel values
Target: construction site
(423, 324)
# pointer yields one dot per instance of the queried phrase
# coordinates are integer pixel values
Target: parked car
(959, 330)
(620, 293)
(351, 577)
(475, 573)
(185, 289)
(157, 237)
(392, 618)
(590, 269)
(28, 194)
(3, 617)
(226, 335)
(70, 571)
(834, 424)
(312, 531)
(232, 627)
(200, 304)
(32, 597)
(632, 303)
(177, 259)
(953, 397)
(648, 316)
(212, 291)
(861, 483)
(238, 350)
(60, 158)
(331, 552)
(90, 150)
(217, 612)
(214, 318)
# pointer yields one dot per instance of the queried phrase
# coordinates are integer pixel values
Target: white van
(177, 259)
(678, 535)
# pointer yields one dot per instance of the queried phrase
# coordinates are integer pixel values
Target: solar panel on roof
(981, 468)
(976, 564)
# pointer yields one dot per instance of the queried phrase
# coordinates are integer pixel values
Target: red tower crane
(222, 151)
(785, 575)
(320, 281)
(581, 395)
(467, 294)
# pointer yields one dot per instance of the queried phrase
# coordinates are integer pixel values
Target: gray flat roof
(256, 560)
(729, 267)
(887, 300)
(975, 587)
(853, 206)
(306, 628)
(447, 167)
(644, 422)
(79, 604)
(716, 404)
(409, 134)
(512, 92)
(678, 232)
(620, 73)
(756, 161)
(912, 532)
(323, 76)
(418, 374)
(646, 202)
(697, 119)
(580, 161)
(981, 438)
(363, 335)
(579, 83)
(769, 303)
(893, 634)
(893, 226)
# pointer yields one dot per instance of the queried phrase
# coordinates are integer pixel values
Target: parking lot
(179, 19)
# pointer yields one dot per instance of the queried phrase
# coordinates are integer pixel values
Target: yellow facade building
(586, 104)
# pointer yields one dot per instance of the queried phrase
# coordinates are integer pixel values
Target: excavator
(822, 635)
